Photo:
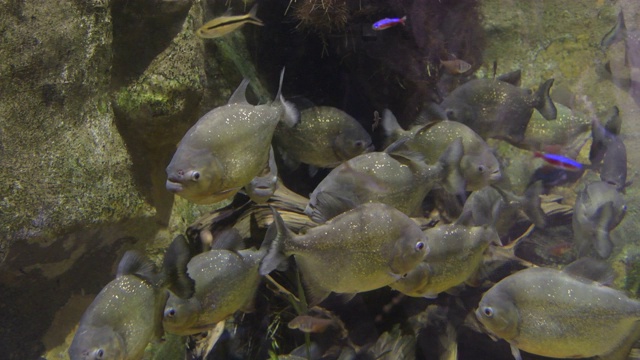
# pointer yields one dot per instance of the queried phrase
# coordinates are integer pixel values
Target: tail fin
(291, 114)
(174, 268)
(544, 104)
(253, 15)
(275, 255)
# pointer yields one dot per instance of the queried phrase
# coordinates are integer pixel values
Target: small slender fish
(560, 161)
(456, 66)
(310, 324)
(225, 24)
(387, 23)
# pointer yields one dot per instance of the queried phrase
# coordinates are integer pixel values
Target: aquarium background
(95, 95)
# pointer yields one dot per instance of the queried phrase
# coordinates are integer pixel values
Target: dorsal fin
(228, 239)
(390, 123)
(512, 78)
(591, 269)
(239, 96)
(135, 263)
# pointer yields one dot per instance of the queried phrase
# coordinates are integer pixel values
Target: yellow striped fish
(225, 24)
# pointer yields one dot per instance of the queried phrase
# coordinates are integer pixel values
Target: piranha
(388, 22)
(631, 39)
(227, 23)
(373, 245)
(608, 152)
(497, 109)
(127, 313)
(263, 186)
(325, 137)
(391, 178)
(227, 147)
(456, 253)
(599, 208)
(225, 282)
(501, 208)
(478, 164)
(560, 314)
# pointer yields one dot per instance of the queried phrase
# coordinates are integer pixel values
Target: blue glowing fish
(387, 23)
(560, 161)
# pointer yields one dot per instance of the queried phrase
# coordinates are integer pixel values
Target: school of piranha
(372, 226)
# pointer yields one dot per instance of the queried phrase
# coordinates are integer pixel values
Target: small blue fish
(387, 23)
(560, 161)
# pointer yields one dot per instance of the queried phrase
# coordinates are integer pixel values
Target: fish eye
(404, 276)
(450, 114)
(419, 246)
(481, 169)
(488, 312)
(359, 143)
(99, 354)
(195, 176)
(171, 313)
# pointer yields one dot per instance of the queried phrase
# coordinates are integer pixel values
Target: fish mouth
(174, 187)
(495, 176)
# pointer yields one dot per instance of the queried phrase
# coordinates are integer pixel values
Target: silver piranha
(127, 313)
(599, 208)
(227, 148)
(608, 152)
(373, 245)
(498, 109)
(500, 208)
(225, 24)
(389, 178)
(325, 137)
(560, 314)
(456, 253)
(478, 164)
(631, 40)
(225, 282)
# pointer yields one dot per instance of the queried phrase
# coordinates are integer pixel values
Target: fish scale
(552, 313)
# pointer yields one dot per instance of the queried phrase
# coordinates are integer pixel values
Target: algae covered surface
(95, 96)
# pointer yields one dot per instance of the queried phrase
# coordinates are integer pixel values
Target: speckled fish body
(225, 282)
(373, 245)
(479, 166)
(497, 109)
(372, 177)
(225, 24)
(542, 134)
(552, 313)
(127, 312)
(598, 209)
(455, 253)
(226, 149)
(325, 137)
